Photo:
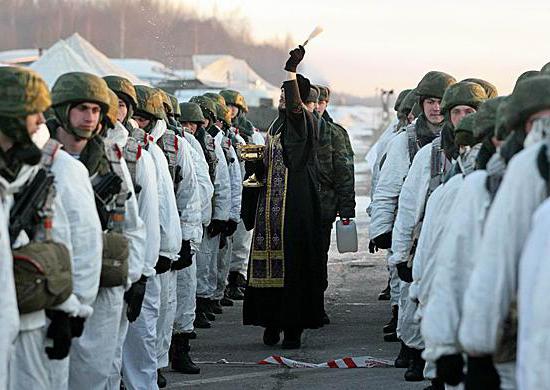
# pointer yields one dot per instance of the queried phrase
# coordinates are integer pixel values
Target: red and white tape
(347, 362)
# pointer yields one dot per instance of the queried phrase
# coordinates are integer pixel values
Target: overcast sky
(369, 44)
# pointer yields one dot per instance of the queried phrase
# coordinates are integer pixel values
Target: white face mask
(539, 131)
(41, 136)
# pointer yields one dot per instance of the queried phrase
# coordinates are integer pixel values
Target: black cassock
(285, 271)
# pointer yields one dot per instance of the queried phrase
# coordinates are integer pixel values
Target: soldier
(38, 230)
(150, 116)
(136, 358)
(223, 124)
(242, 238)
(489, 305)
(187, 279)
(207, 255)
(80, 102)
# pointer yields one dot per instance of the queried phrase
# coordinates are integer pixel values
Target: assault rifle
(28, 203)
(106, 188)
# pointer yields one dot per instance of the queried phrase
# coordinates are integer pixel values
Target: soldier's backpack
(42, 268)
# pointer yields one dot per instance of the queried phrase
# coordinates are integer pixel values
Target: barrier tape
(347, 362)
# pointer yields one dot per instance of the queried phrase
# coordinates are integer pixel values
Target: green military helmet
(545, 68)
(416, 110)
(191, 112)
(207, 106)
(526, 75)
(463, 94)
(111, 115)
(484, 125)
(216, 97)
(150, 102)
(501, 130)
(324, 93)
(464, 131)
(124, 87)
(79, 87)
(234, 98)
(402, 95)
(313, 96)
(529, 96)
(22, 92)
(167, 103)
(434, 84)
(223, 113)
(175, 105)
(408, 102)
(490, 90)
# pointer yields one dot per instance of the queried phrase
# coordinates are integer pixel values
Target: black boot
(161, 380)
(192, 335)
(201, 322)
(385, 293)
(391, 326)
(181, 361)
(391, 337)
(272, 336)
(403, 358)
(326, 318)
(415, 372)
(203, 306)
(293, 339)
(226, 301)
(215, 306)
(234, 293)
(437, 384)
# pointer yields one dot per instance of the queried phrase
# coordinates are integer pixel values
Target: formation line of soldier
(124, 224)
(460, 203)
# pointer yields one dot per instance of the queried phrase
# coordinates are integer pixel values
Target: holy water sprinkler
(318, 30)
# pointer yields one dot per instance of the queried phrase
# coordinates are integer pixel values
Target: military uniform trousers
(186, 291)
(224, 263)
(242, 240)
(207, 266)
(139, 354)
(408, 327)
(167, 314)
(93, 354)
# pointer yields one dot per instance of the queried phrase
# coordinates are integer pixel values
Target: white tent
(19, 56)
(97, 60)
(60, 59)
(227, 72)
(77, 55)
(149, 70)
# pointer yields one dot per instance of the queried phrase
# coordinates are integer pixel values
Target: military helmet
(434, 84)
(149, 102)
(207, 106)
(545, 68)
(486, 117)
(216, 97)
(190, 112)
(490, 90)
(402, 95)
(416, 110)
(112, 112)
(463, 94)
(175, 105)
(234, 98)
(313, 96)
(223, 113)
(22, 92)
(501, 130)
(529, 96)
(526, 75)
(75, 87)
(121, 85)
(407, 104)
(464, 131)
(166, 102)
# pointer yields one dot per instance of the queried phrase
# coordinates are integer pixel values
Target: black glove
(216, 227)
(186, 257)
(223, 241)
(383, 241)
(450, 369)
(296, 56)
(372, 246)
(481, 374)
(254, 168)
(60, 332)
(404, 272)
(134, 298)
(163, 265)
(77, 326)
(230, 228)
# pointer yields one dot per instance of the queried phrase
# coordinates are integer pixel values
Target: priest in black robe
(284, 291)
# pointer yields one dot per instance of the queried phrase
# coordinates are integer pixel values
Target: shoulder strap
(439, 165)
(170, 146)
(132, 153)
(412, 141)
(48, 153)
(114, 156)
